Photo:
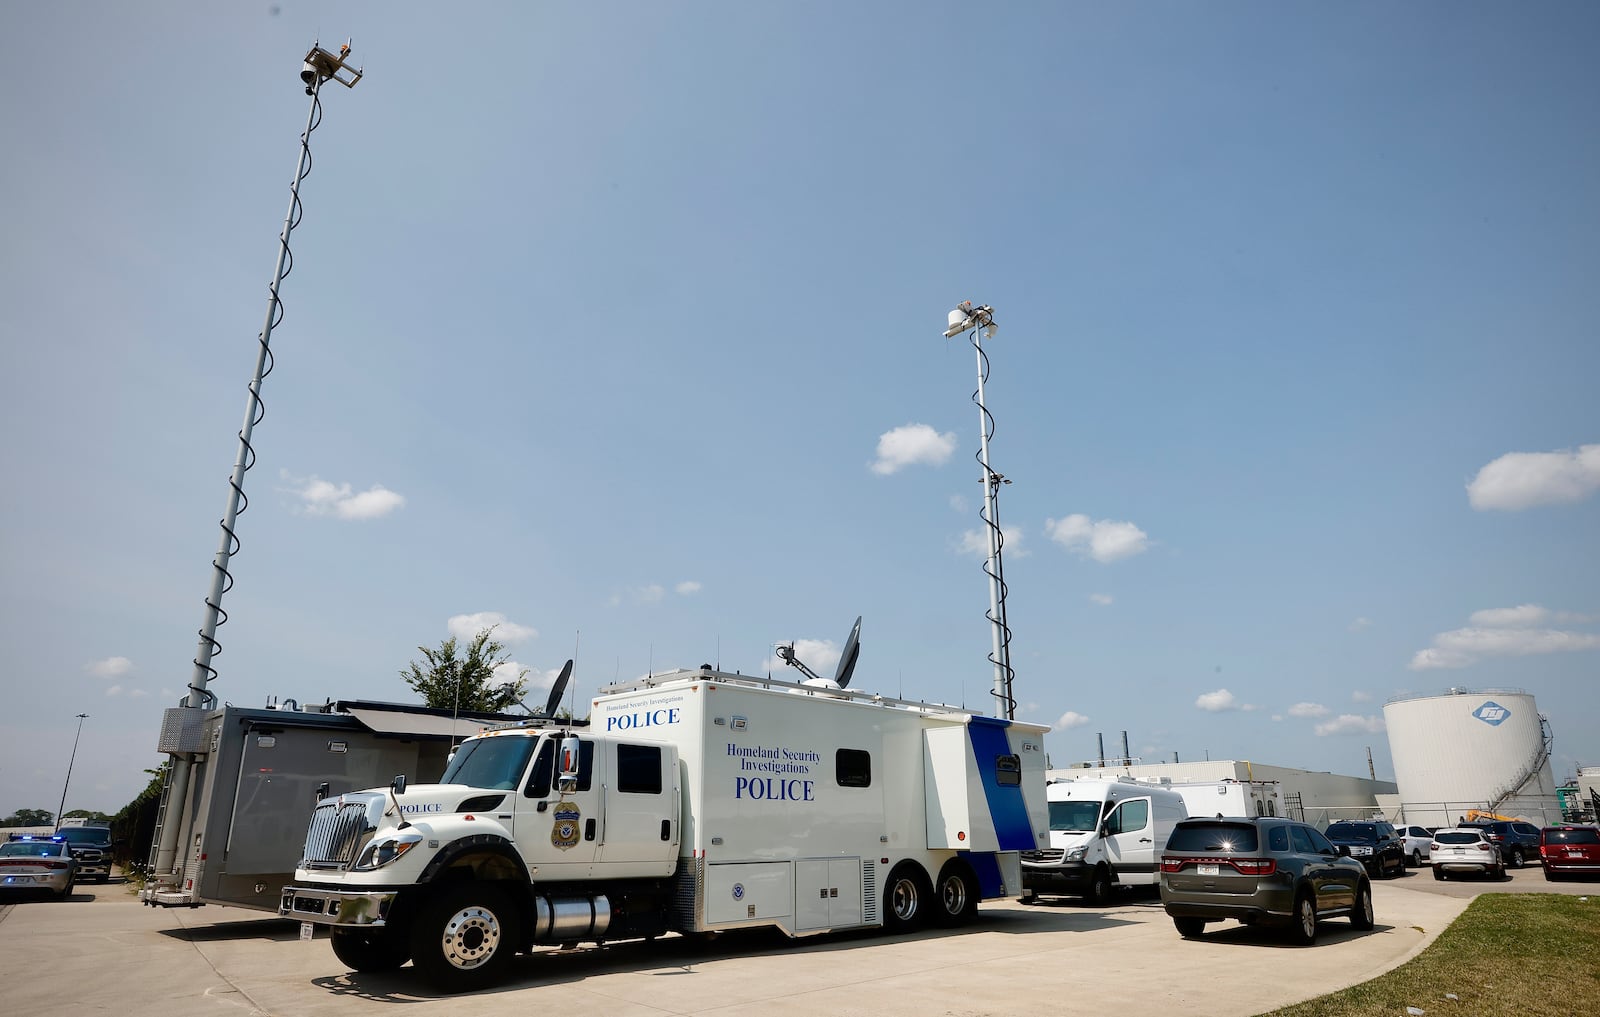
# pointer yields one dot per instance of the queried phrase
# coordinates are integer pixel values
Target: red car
(1570, 851)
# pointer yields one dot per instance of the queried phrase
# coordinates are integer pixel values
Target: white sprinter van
(1103, 833)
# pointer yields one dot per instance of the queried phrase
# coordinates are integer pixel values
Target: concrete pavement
(103, 951)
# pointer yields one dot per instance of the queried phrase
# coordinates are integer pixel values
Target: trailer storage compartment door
(747, 893)
(974, 789)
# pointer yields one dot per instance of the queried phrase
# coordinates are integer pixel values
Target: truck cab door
(640, 798)
(559, 835)
(1130, 848)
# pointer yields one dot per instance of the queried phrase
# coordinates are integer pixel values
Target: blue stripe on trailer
(1006, 806)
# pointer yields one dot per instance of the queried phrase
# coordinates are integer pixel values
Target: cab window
(639, 769)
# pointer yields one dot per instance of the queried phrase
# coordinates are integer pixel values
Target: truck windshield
(496, 763)
(85, 835)
(1074, 817)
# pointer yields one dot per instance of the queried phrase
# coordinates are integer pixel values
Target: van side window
(639, 769)
(543, 767)
(1129, 817)
(852, 767)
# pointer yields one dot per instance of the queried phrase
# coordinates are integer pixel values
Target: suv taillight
(1243, 866)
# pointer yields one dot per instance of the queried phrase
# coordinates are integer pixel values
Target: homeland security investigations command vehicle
(692, 802)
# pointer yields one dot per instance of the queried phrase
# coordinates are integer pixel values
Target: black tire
(1515, 859)
(1416, 859)
(1438, 873)
(1189, 928)
(380, 949)
(1303, 928)
(1098, 892)
(907, 898)
(65, 893)
(1549, 877)
(1361, 915)
(464, 937)
(957, 895)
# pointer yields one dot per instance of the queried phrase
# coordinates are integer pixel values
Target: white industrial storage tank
(1465, 749)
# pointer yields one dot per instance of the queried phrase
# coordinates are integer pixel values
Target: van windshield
(496, 763)
(1074, 817)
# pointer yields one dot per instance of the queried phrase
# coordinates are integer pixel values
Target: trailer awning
(398, 722)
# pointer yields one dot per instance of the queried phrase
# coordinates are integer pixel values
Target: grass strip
(1516, 955)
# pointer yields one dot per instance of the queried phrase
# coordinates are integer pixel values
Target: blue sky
(621, 324)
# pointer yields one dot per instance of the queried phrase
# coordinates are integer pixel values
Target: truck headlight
(1075, 855)
(386, 849)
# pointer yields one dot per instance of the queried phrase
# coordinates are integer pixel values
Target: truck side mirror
(398, 785)
(567, 780)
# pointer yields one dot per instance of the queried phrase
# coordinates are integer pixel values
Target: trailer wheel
(907, 897)
(464, 937)
(958, 895)
(370, 949)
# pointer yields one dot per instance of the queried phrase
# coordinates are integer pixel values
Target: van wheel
(1303, 930)
(1361, 915)
(464, 937)
(907, 897)
(1189, 928)
(1099, 892)
(958, 895)
(370, 949)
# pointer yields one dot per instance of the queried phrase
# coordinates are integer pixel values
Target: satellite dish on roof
(847, 660)
(558, 690)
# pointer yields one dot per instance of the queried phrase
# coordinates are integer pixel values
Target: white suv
(1416, 840)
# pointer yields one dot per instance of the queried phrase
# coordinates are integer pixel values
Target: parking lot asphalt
(103, 951)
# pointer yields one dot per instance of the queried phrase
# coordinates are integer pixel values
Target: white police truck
(695, 801)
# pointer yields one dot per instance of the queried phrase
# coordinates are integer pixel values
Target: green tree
(446, 680)
(29, 817)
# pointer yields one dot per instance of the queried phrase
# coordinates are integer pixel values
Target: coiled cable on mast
(255, 412)
(997, 574)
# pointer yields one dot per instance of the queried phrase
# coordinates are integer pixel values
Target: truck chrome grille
(339, 827)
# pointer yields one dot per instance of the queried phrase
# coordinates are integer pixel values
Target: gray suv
(1263, 869)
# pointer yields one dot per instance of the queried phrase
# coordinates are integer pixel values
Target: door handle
(1146, 840)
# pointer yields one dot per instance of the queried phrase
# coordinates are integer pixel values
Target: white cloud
(1217, 702)
(1308, 710)
(138, 693)
(115, 690)
(1361, 624)
(687, 587)
(1103, 599)
(1104, 540)
(506, 673)
(1360, 696)
(912, 445)
(1463, 647)
(467, 627)
(322, 498)
(1349, 723)
(958, 503)
(111, 667)
(1510, 617)
(1071, 719)
(976, 543)
(1519, 480)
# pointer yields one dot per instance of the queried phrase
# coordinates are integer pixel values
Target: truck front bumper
(336, 907)
(1056, 877)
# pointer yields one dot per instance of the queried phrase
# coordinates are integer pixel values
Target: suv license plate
(1207, 870)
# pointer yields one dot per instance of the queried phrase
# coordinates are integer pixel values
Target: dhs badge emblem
(564, 831)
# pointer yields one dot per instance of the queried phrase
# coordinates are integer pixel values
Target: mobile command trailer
(1102, 833)
(695, 802)
(258, 774)
(1230, 797)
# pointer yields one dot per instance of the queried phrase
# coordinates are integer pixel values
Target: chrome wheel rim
(471, 937)
(903, 901)
(954, 895)
(1308, 918)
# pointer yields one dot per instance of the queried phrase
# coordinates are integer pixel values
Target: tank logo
(564, 831)
(1491, 713)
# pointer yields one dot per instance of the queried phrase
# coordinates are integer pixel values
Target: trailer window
(853, 767)
(639, 769)
(1008, 771)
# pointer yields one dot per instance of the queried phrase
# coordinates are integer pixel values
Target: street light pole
(70, 761)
